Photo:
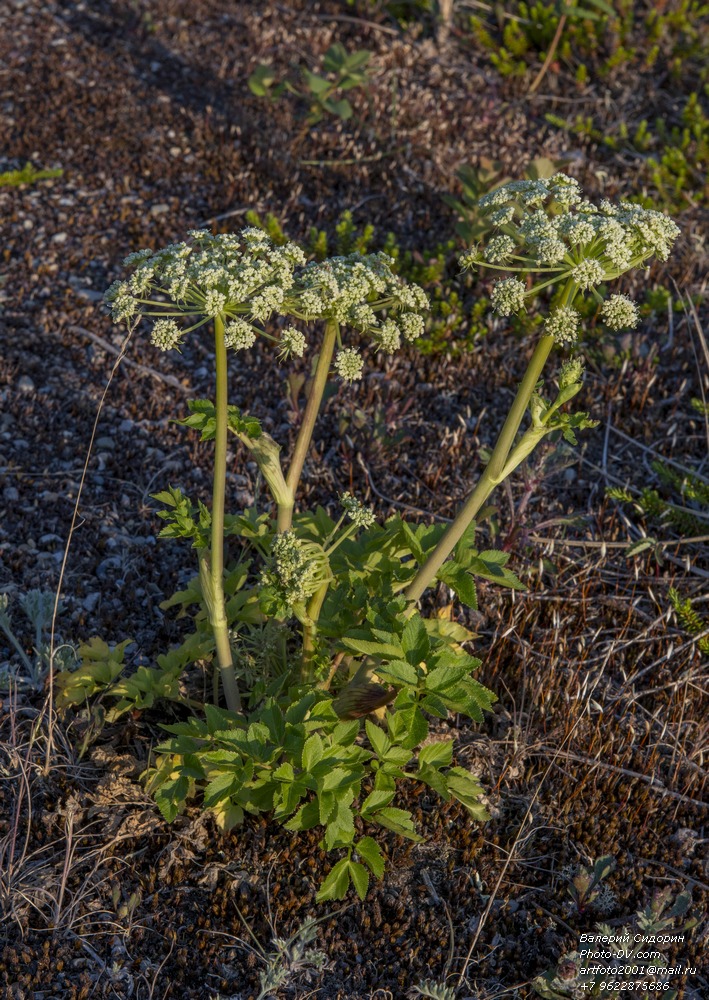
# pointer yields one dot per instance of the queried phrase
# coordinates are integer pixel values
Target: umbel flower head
(241, 278)
(352, 291)
(244, 279)
(547, 227)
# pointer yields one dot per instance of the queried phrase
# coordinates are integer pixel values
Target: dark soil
(598, 743)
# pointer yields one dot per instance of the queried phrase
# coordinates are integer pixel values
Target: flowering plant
(315, 627)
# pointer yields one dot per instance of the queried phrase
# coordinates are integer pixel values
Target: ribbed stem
(312, 408)
(215, 599)
(490, 478)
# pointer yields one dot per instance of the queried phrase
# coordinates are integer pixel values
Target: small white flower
(137, 257)
(166, 334)
(588, 273)
(619, 312)
(562, 325)
(501, 216)
(239, 335)
(470, 258)
(349, 364)
(508, 296)
(293, 342)
(550, 251)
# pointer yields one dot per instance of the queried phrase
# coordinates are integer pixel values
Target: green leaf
(316, 84)
(407, 727)
(337, 882)
(465, 787)
(220, 788)
(261, 80)
(378, 739)
(370, 852)
(335, 58)
(307, 817)
(360, 878)
(441, 679)
(415, 641)
(434, 706)
(398, 821)
(376, 799)
(438, 754)
(343, 109)
(461, 583)
(369, 648)
(345, 733)
(399, 672)
(312, 752)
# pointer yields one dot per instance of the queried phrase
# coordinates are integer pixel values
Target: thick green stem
(215, 577)
(491, 477)
(312, 408)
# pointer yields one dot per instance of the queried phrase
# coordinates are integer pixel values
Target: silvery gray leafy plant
(329, 671)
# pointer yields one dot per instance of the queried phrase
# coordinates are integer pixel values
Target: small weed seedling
(329, 672)
(341, 71)
(29, 174)
(30, 668)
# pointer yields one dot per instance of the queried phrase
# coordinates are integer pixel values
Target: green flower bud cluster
(547, 227)
(297, 570)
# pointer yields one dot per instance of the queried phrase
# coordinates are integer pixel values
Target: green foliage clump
(674, 156)
(341, 71)
(29, 174)
(688, 618)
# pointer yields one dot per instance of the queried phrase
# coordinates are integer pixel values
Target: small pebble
(25, 384)
(11, 494)
(91, 600)
(160, 209)
(59, 238)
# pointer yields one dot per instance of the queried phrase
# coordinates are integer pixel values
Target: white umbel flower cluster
(619, 312)
(166, 335)
(293, 342)
(563, 325)
(237, 277)
(508, 296)
(547, 227)
(360, 515)
(349, 364)
(352, 290)
(244, 280)
(297, 568)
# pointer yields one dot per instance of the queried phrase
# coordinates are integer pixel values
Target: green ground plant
(330, 672)
(624, 968)
(30, 664)
(673, 157)
(341, 71)
(533, 32)
(29, 174)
